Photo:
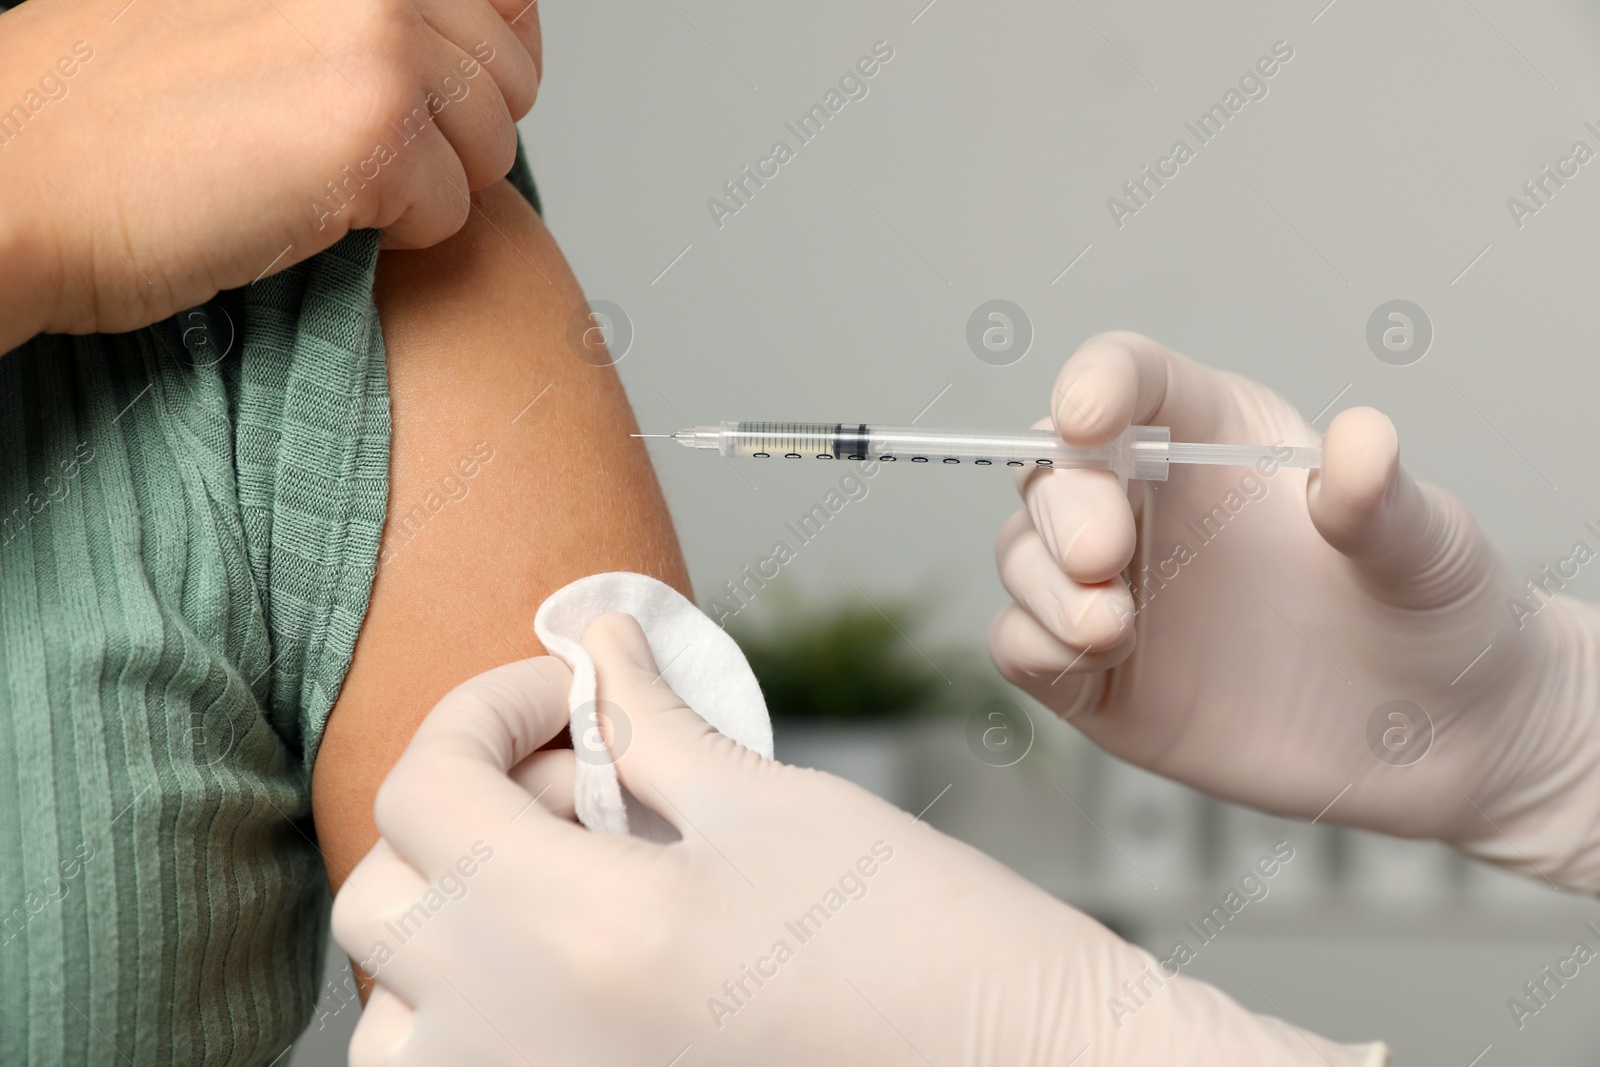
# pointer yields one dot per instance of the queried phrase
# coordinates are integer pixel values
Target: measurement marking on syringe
(890, 458)
(1140, 452)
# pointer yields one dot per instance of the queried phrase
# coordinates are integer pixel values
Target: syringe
(1141, 452)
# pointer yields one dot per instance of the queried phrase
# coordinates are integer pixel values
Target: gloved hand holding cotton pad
(787, 897)
(699, 662)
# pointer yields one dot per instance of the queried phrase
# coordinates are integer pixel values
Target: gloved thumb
(1413, 545)
(662, 748)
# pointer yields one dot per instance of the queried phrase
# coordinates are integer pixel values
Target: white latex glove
(798, 921)
(1254, 653)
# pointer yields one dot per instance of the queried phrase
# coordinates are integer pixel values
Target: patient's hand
(489, 509)
(171, 150)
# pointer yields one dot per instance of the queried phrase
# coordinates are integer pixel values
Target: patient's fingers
(451, 788)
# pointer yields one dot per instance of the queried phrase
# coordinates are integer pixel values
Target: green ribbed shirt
(187, 548)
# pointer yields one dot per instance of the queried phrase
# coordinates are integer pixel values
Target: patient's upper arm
(511, 474)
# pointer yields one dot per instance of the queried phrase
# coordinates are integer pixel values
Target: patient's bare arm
(512, 473)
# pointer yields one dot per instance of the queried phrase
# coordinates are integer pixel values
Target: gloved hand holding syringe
(1259, 635)
(1140, 452)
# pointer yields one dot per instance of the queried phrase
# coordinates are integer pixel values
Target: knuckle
(722, 748)
(387, 27)
(393, 101)
(387, 32)
(515, 77)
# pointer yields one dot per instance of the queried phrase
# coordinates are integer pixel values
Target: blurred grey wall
(978, 166)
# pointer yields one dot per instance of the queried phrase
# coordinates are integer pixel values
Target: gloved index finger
(1121, 379)
(501, 716)
(451, 789)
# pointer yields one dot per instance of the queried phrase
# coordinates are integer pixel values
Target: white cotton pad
(697, 659)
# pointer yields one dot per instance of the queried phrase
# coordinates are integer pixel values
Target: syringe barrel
(792, 440)
(1138, 453)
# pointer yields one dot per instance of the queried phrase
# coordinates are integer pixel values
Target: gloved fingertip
(1017, 647)
(1348, 497)
(1095, 393)
(385, 1026)
(618, 636)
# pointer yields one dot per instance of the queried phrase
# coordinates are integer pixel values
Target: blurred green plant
(845, 660)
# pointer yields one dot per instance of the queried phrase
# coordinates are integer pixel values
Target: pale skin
(109, 222)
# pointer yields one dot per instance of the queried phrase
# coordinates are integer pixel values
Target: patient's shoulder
(511, 473)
